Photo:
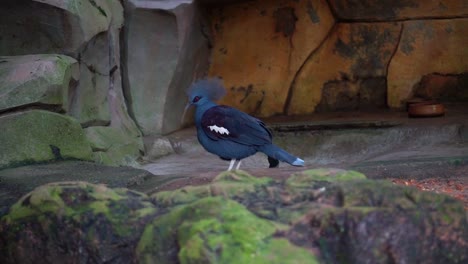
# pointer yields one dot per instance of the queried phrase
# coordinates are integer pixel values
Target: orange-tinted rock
(388, 10)
(445, 87)
(259, 46)
(348, 71)
(426, 47)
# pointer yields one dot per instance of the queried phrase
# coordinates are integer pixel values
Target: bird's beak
(185, 111)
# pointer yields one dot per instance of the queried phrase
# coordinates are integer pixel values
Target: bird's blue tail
(280, 154)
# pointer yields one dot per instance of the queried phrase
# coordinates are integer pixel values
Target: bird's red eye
(196, 99)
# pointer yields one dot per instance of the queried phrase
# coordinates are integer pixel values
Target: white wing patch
(220, 130)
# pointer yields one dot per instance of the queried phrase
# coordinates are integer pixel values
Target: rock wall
(306, 56)
(166, 49)
(119, 69)
(75, 72)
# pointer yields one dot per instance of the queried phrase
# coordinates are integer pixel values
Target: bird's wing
(227, 123)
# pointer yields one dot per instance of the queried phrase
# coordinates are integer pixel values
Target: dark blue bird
(229, 133)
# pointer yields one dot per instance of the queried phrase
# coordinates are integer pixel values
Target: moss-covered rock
(76, 221)
(382, 235)
(306, 178)
(321, 215)
(227, 184)
(39, 136)
(345, 217)
(216, 230)
(114, 145)
(36, 79)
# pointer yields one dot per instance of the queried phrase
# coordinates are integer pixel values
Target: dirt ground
(455, 187)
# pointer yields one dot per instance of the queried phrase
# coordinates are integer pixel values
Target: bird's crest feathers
(211, 88)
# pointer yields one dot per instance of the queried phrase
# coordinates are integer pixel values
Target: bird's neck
(201, 109)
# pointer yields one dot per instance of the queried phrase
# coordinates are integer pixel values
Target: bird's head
(204, 91)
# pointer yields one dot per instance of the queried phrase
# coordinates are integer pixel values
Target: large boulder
(39, 136)
(216, 230)
(37, 80)
(18, 181)
(339, 215)
(165, 50)
(378, 222)
(75, 222)
(259, 46)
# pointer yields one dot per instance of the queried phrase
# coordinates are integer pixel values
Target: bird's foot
(231, 165)
(238, 165)
(298, 162)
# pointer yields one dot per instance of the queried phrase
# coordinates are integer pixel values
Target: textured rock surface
(36, 80)
(157, 147)
(321, 215)
(338, 214)
(380, 223)
(348, 71)
(113, 146)
(161, 61)
(88, 102)
(260, 45)
(50, 26)
(76, 222)
(99, 64)
(89, 31)
(446, 87)
(16, 182)
(38, 136)
(397, 10)
(426, 47)
(273, 64)
(216, 230)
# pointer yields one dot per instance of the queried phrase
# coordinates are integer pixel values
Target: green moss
(227, 184)
(282, 251)
(307, 178)
(29, 136)
(78, 200)
(181, 196)
(114, 146)
(378, 193)
(45, 85)
(210, 230)
(44, 199)
(240, 176)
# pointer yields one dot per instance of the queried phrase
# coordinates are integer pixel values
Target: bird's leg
(238, 165)
(231, 165)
